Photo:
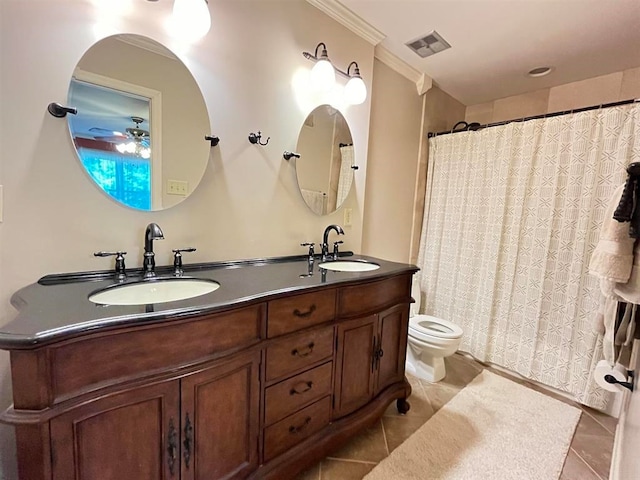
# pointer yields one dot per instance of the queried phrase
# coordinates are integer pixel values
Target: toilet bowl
(430, 340)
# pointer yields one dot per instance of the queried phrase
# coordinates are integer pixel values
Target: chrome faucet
(325, 239)
(153, 232)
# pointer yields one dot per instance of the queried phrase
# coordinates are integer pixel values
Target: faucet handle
(177, 259)
(311, 251)
(120, 267)
(335, 249)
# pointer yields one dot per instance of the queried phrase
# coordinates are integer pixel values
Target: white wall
(248, 67)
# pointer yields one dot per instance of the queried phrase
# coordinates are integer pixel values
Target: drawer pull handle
(305, 352)
(300, 428)
(172, 447)
(298, 313)
(305, 385)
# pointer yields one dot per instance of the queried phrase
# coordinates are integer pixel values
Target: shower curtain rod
(534, 117)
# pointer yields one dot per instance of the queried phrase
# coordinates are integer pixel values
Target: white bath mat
(494, 429)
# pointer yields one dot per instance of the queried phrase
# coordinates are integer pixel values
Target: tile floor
(588, 459)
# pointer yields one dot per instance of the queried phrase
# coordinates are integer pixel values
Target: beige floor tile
(439, 393)
(398, 429)
(576, 469)
(312, 473)
(594, 444)
(419, 402)
(344, 470)
(369, 446)
(459, 371)
(608, 422)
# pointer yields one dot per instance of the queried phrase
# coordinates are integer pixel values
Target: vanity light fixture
(322, 76)
(190, 18)
(355, 91)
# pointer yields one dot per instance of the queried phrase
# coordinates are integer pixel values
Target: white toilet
(430, 340)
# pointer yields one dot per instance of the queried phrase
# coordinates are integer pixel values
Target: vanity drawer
(295, 428)
(374, 296)
(292, 354)
(136, 351)
(289, 395)
(300, 311)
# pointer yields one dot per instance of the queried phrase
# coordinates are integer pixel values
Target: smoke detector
(428, 45)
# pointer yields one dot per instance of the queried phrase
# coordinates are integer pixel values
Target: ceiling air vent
(428, 45)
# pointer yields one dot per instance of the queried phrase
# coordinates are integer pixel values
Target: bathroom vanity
(261, 378)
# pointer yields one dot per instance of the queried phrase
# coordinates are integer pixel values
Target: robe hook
(255, 138)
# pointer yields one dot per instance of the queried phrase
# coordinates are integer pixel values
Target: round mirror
(326, 164)
(141, 122)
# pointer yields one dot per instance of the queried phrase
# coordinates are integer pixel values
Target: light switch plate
(177, 187)
(347, 217)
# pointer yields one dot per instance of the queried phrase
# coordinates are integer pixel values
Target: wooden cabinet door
(128, 436)
(220, 407)
(354, 381)
(393, 327)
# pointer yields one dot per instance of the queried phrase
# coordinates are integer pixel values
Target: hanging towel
(612, 259)
(346, 173)
(317, 201)
(617, 264)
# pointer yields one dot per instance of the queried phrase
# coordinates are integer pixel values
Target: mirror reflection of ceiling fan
(135, 140)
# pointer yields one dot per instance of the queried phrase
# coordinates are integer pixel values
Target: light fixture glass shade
(355, 91)
(190, 19)
(322, 75)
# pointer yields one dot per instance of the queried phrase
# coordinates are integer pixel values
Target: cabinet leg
(403, 406)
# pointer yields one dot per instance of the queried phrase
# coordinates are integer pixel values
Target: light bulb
(322, 75)
(190, 19)
(355, 91)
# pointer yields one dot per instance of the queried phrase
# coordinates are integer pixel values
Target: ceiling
(494, 43)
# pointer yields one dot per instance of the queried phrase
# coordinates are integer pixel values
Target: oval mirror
(326, 164)
(141, 122)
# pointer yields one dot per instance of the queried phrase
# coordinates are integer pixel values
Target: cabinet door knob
(306, 386)
(304, 352)
(298, 313)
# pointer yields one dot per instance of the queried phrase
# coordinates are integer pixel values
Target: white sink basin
(349, 266)
(154, 291)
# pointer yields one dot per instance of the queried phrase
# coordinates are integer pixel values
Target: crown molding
(423, 82)
(346, 17)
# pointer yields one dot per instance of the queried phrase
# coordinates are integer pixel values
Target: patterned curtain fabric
(512, 216)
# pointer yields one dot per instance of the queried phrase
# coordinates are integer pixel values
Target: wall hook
(255, 138)
(355, 167)
(289, 155)
(59, 111)
(213, 139)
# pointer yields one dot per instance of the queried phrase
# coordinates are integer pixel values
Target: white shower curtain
(512, 215)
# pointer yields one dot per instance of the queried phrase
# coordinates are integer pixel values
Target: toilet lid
(421, 326)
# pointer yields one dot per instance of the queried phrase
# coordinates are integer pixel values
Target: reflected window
(112, 139)
(125, 178)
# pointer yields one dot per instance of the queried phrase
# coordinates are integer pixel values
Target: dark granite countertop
(58, 306)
